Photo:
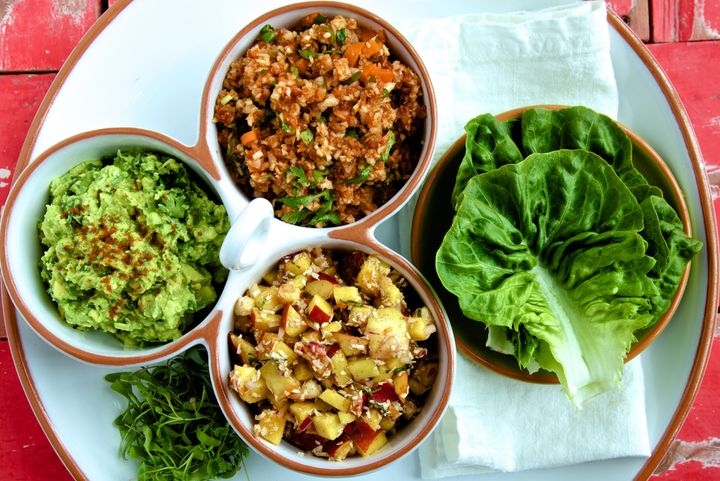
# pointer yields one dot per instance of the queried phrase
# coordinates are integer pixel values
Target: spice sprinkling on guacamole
(131, 247)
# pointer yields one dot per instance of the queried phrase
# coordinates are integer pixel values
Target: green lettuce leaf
(491, 144)
(549, 251)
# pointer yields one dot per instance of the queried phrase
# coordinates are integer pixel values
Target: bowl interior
(434, 216)
(399, 444)
(291, 16)
(23, 249)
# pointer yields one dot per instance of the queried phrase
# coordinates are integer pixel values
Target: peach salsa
(328, 354)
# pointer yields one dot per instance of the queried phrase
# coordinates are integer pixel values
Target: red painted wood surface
(685, 20)
(20, 97)
(37, 35)
(25, 453)
(636, 15)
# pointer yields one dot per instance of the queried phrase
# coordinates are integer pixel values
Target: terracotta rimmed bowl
(256, 240)
(427, 235)
(291, 16)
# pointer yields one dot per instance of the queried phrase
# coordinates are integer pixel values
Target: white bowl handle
(247, 235)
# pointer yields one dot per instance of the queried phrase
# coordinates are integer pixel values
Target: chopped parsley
(299, 215)
(362, 176)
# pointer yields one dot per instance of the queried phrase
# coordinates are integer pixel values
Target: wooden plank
(20, 97)
(685, 20)
(38, 35)
(695, 454)
(25, 453)
(636, 14)
(694, 75)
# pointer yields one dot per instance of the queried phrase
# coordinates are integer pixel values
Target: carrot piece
(382, 75)
(371, 48)
(249, 138)
(352, 53)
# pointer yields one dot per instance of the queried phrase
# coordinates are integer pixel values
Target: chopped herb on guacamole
(131, 247)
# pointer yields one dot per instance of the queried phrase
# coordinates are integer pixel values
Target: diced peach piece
(264, 321)
(330, 328)
(390, 294)
(346, 418)
(401, 385)
(347, 296)
(351, 345)
(272, 347)
(372, 418)
(302, 371)
(299, 264)
(328, 425)
(421, 325)
(270, 426)
(339, 448)
(423, 377)
(340, 369)
(362, 368)
(320, 288)
(270, 276)
(243, 306)
(372, 270)
(328, 275)
(310, 389)
(335, 399)
(319, 310)
(292, 321)
(279, 383)
(267, 300)
(387, 423)
(359, 315)
(367, 440)
(248, 383)
(289, 292)
(388, 336)
(301, 411)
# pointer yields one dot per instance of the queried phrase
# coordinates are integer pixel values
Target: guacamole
(131, 247)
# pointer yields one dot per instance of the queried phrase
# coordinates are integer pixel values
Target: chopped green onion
(295, 71)
(319, 19)
(391, 142)
(353, 78)
(340, 36)
(226, 99)
(267, 34)
(307, 54)
(385, 92)
(352, 132)
(306, 136)
(285, 127)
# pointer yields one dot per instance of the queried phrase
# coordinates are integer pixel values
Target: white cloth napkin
(492, 63)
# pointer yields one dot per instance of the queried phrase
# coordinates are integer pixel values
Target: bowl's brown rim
(675, 192)
(162, 351)
(413, 183)
(681, 117)
(200, 153)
